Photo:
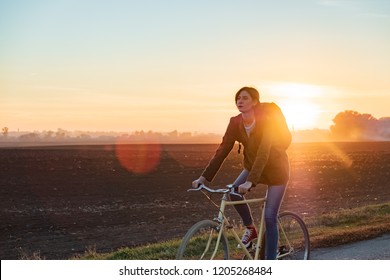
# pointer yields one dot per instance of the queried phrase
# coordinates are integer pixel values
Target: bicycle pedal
(252, 247)
(283, 250)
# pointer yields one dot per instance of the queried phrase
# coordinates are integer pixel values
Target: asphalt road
(374, 249)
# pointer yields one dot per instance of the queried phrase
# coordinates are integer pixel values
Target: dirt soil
(57, 202)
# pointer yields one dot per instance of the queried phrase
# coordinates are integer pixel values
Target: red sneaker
(249, 234)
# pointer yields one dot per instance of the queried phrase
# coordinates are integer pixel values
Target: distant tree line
(4, 131)
(351, 125)
(347, 126)
(65, 136)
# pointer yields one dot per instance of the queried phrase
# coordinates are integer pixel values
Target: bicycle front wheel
(294, 242)
(200, 243)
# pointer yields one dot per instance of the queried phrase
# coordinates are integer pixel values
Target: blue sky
(165, 65)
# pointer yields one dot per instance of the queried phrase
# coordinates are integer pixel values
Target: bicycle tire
(194, 244)
(294, 240)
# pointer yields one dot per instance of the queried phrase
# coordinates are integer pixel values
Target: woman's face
(244, 102)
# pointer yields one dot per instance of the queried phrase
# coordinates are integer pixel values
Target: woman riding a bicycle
(261, 128)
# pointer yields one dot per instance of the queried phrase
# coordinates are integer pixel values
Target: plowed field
(59, 201)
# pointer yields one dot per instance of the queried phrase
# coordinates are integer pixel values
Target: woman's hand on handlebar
(244, 188)
(200, 181)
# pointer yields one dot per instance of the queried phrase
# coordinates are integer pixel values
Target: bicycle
(208, 239)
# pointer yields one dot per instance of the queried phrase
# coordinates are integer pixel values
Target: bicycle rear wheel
(200, 242)
(294, 242)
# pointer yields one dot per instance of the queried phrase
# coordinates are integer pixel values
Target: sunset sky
(176, 65)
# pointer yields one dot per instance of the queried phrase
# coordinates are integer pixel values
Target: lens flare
(340, 155)
(138, 158)
(189, 155)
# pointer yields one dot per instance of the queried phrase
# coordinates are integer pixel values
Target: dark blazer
(265, 154)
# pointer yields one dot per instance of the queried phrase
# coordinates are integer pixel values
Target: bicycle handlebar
(229, 189)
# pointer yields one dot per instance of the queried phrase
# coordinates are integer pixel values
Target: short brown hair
(252, 92)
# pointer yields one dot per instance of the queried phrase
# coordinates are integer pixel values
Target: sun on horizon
(298, 103)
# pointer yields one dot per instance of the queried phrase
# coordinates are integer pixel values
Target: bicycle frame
(288, 223)
(224, 222)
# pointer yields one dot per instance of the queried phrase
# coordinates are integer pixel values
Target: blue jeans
(274, 200)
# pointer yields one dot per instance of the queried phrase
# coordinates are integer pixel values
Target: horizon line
(144, 131)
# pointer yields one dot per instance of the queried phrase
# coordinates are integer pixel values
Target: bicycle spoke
(200, 242)
(293, 238)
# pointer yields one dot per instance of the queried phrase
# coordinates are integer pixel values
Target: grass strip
(328, 230)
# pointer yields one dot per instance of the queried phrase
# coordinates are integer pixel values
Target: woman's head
(247, 98)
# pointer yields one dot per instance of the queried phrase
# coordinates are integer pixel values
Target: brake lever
(233, 188)
(195, 189)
